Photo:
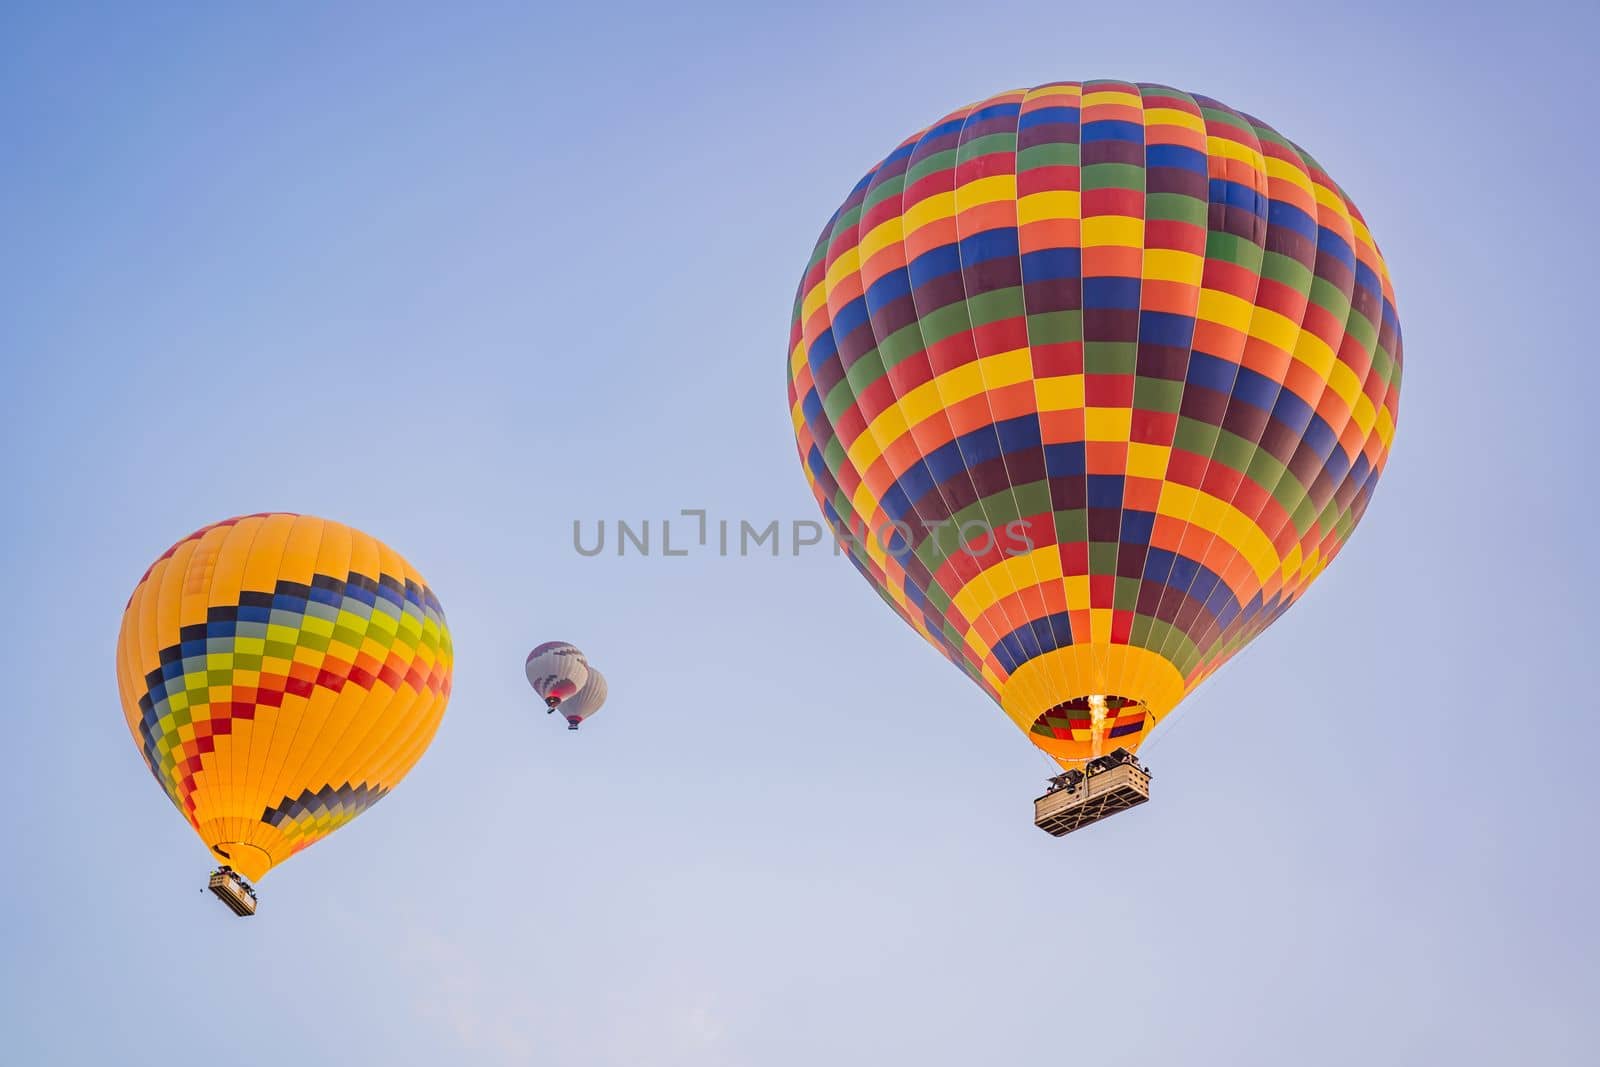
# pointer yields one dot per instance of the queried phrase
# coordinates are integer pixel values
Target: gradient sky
(459, 278)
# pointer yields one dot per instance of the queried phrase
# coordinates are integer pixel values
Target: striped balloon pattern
(1093, 380)
(557, 671)
(586, 701)
(280, 674)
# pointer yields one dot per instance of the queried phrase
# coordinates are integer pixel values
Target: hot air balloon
(586, 701)
(1093, 380)
(556, 670)
(280, 675)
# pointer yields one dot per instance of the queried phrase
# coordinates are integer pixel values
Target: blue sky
(460, 278)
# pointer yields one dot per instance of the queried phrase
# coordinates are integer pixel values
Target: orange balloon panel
(280, 673)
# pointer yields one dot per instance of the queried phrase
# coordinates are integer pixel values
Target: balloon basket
(1105, 786)
(233, 891)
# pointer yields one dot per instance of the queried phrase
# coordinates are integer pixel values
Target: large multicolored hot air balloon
(280, 674)
(1095, 379)
(556, 670)
(586, 701)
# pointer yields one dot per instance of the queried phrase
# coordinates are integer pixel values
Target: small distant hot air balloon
(1096, 378)
(280, 675)
(556, 670)
(586, 701)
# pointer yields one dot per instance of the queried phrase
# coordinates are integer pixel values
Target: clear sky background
(458, 278)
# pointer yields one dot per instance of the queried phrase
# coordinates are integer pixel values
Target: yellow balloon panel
(280, 674)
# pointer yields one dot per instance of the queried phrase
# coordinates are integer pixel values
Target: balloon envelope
(586, 701)
(1095, 379)
(280, 674)
(556, 670)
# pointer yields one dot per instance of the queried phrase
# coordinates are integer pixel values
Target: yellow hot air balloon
(280, 673)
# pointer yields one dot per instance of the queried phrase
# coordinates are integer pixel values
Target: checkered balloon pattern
(280, 674)
(1093, 380)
